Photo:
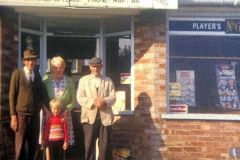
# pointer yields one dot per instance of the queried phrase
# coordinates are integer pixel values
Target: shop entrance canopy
(141, 4)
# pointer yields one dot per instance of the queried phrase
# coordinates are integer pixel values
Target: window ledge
(220, 117)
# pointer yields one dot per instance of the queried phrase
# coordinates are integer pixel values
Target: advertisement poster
(175, 91)
(120, 104)
(227, 88)
(186, 79)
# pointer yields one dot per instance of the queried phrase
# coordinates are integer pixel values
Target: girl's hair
(55, 103)
(58, 61)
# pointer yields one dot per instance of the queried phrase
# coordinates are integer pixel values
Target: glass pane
(31, 22)
(71, 47)
(205, 73)
(32, 42)
(73, 26)
(118, 66)
(118, 24)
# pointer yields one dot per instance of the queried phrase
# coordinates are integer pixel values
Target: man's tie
(30, 78)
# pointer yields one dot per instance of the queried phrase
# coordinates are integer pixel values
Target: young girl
(56, 132)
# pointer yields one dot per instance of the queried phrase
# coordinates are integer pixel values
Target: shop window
(118, 67)
(204, 74)
(119, 24)
(31, 42)
(71, 47)
(75, 50)
(73, 26)
(74, 66)
(31, 22)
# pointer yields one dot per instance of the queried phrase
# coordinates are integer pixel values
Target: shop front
(176, 71)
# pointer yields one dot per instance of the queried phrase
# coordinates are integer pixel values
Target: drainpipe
(209, 3)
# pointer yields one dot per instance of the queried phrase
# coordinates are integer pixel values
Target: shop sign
(195, 25)
(178, 108)
(211, 26)
(153, 4)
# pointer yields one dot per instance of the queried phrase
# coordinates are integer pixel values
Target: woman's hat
(29, 54)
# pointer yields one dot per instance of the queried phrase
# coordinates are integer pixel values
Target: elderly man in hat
(96, 96)
(26, 97)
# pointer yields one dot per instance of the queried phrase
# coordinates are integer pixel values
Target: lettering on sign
(163, 2)
(178, 108)
(118, 1)
(206, 26)
(97, 1)
(135, 1)
(233, 26)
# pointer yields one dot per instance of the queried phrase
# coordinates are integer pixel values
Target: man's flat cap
(95, 61)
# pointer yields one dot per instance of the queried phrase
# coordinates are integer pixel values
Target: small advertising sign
(120, 104)
(175, 91)
(178, 108)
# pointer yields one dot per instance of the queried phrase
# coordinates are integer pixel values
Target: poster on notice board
(186, 79)
(175, 91)
(227, 88)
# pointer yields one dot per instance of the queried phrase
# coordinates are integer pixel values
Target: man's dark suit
(26, 99)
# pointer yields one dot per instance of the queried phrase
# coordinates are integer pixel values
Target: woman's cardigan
(68, 98)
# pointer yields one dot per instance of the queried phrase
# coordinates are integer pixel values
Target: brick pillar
(150, 85)
(8, 55)
(141, 132)
(8, 61)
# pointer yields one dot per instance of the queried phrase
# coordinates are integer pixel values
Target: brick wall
(144, 133)
(200, 139)
(6, 142)
(8, 58)
(8, 55)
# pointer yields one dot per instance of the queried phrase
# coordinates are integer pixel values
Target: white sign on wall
(153, 4)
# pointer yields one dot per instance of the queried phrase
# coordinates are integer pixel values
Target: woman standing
(61, 86)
